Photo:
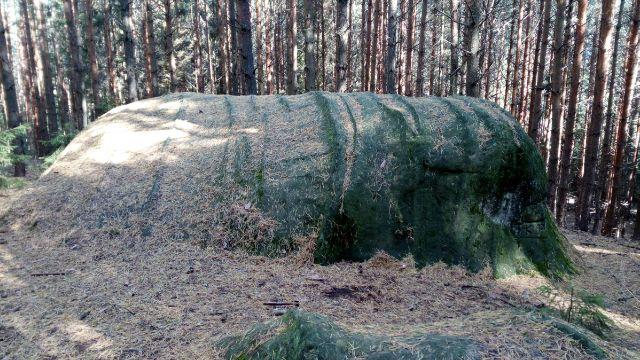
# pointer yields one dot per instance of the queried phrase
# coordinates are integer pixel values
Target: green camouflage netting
(451, 179)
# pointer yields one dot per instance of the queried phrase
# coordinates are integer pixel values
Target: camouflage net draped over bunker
(451, 179)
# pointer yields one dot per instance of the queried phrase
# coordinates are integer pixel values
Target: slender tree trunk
(623, 115)
(234, 56)
(434, 40)
(342, 34)
(108, 45)
(259, 62)
(390, 60)
(93, 62)
(76, 68)
(472, 48)
(292, 49)
(268, 56)
(11, 99)
(522, 83)
(510, 56)
(310, 69)
(168, 44)
(537, 110)
(515, 89)
(603, 186)
(223, 47)
(408, 63)
(350, 71)
(556, 97)
(45, 69)
(422, 50)
(197, 49)
(149, 51)
(377, 18)
(323, 53)
(569, 125)
(246, 51)
(597, 114)
(453, 74)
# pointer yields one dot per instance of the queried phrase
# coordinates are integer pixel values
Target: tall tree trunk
(377, 19)
(408, 63)
(93, 62)
(597, 114)
(522, 83)
(310, 69)
(259, 62)
(45, 69)
(349, 47)
(509, 56)
(434, 40)
(323, 53)
(569, 125)
(536, 108)
(623, 115)
(556, 105)
(168, 44)
(108, 45)
(422, 50)
(76, 68)
(603, 187)
(268, 55)
(41, 130)
(472, 48)
(515, 89)
(453, 74)
(11, 99)
(390, 60)
(292, 49)
(234, 56)
(223, 47)
(197, 49)
(342, 29)
(150, 63)
(246, 51)
(129, 50)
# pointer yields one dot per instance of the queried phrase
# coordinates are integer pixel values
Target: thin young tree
(422, 49)
(44, 66)
(536, 112)
(408, 63)
(76, 68)
(150, 62)
(93, 61)
(170, 59)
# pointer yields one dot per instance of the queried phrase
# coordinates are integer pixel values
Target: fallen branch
(49, 274)
(279, 303)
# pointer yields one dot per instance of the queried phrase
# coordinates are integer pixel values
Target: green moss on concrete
(300, 335)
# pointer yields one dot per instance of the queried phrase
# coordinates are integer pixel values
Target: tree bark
(422, 50)
(93, 62)
(129, 50)
(408, 63)
(11, 99)
(377, 18)
(76, 68)
(453, 74)
(536, 108)
(472, 48)
(109, 53)
(595, 123)
(310, 69)
(168, 44)
(259, 63)
(197, 49)
(292, 49)
(390, 59)
(556, 105)
(246, 51)
(268, 55)
(569, 125)
(45, 69)
(342, 34)
(151, 67)
(623, 116)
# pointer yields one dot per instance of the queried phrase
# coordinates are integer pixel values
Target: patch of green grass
(12, 182)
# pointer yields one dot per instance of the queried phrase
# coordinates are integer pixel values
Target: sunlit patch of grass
(12, 182)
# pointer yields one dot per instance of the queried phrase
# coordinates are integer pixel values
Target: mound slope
(345, 175)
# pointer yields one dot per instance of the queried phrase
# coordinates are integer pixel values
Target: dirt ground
(82, 299)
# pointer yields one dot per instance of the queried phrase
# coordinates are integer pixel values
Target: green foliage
(583, 308)
(58, 142)
(301, 335)
(7, 137)
(11, 182)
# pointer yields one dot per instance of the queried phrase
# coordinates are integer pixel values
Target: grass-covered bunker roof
(342, 175)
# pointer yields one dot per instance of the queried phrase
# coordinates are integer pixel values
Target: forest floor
(78, 300)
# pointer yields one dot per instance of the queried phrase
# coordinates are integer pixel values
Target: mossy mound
(301, 335)
(441, 179)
